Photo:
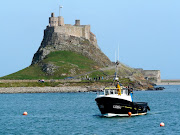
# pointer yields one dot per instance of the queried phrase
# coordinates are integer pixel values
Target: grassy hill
(123, 72)
(66, 64)
(63, 64)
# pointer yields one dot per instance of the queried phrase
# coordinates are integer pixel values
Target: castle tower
(77, 22)
(56, 21)
(60, 21)
(53, 21)
(52, 15)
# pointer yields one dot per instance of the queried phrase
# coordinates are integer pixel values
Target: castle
(77, 30)
(77, 38)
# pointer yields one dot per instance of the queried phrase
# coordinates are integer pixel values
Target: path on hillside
(102, 70)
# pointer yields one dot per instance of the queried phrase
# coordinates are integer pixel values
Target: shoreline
(13, 90)
(65, 89)
(168, 83)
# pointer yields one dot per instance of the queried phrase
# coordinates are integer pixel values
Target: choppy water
(77, 114)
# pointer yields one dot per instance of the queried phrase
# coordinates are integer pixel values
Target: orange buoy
(25, 113)
(129, 113)
(162, 124)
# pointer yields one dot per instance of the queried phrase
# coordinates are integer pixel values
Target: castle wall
(86, 31)
(78, 31)
(153, 75)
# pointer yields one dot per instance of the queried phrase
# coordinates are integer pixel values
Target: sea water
(78, 114)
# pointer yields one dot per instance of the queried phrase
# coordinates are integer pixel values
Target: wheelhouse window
(106, 92)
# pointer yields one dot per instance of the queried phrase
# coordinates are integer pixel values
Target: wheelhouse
(114, 91)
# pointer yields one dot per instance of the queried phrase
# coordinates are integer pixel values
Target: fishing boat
(118, 101)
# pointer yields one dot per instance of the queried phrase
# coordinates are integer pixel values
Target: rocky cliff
(54, 41)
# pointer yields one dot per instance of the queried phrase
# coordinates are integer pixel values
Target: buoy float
(129, 113)
(25, 113)
(162, 124)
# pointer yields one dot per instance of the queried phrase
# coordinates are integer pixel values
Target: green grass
(123, 81)
(31, 72)
(59, 84)
(122, 71)
(70, 59)
(64, 60)
(29, 84)
(96, 74)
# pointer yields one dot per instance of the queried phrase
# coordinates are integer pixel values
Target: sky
(146, 31)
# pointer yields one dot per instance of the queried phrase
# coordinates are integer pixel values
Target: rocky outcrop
(54, 41)
(49, 69)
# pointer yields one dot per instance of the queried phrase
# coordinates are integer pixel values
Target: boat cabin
(114, 91)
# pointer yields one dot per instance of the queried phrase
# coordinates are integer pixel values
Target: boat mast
(116, 66)
(116, 71)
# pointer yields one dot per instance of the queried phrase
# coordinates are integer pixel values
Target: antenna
(118, 59)
(116, 64)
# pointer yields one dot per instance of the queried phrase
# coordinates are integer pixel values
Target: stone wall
(153, 75)
(78, 31)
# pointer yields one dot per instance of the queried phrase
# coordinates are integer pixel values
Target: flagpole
(60, 10)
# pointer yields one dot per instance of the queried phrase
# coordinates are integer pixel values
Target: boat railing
(111, 91)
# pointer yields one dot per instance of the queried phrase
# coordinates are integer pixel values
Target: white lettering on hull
(116, 106)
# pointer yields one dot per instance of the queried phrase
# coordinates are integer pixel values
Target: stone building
(153, 75)
(77, 30)
(77, 38)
